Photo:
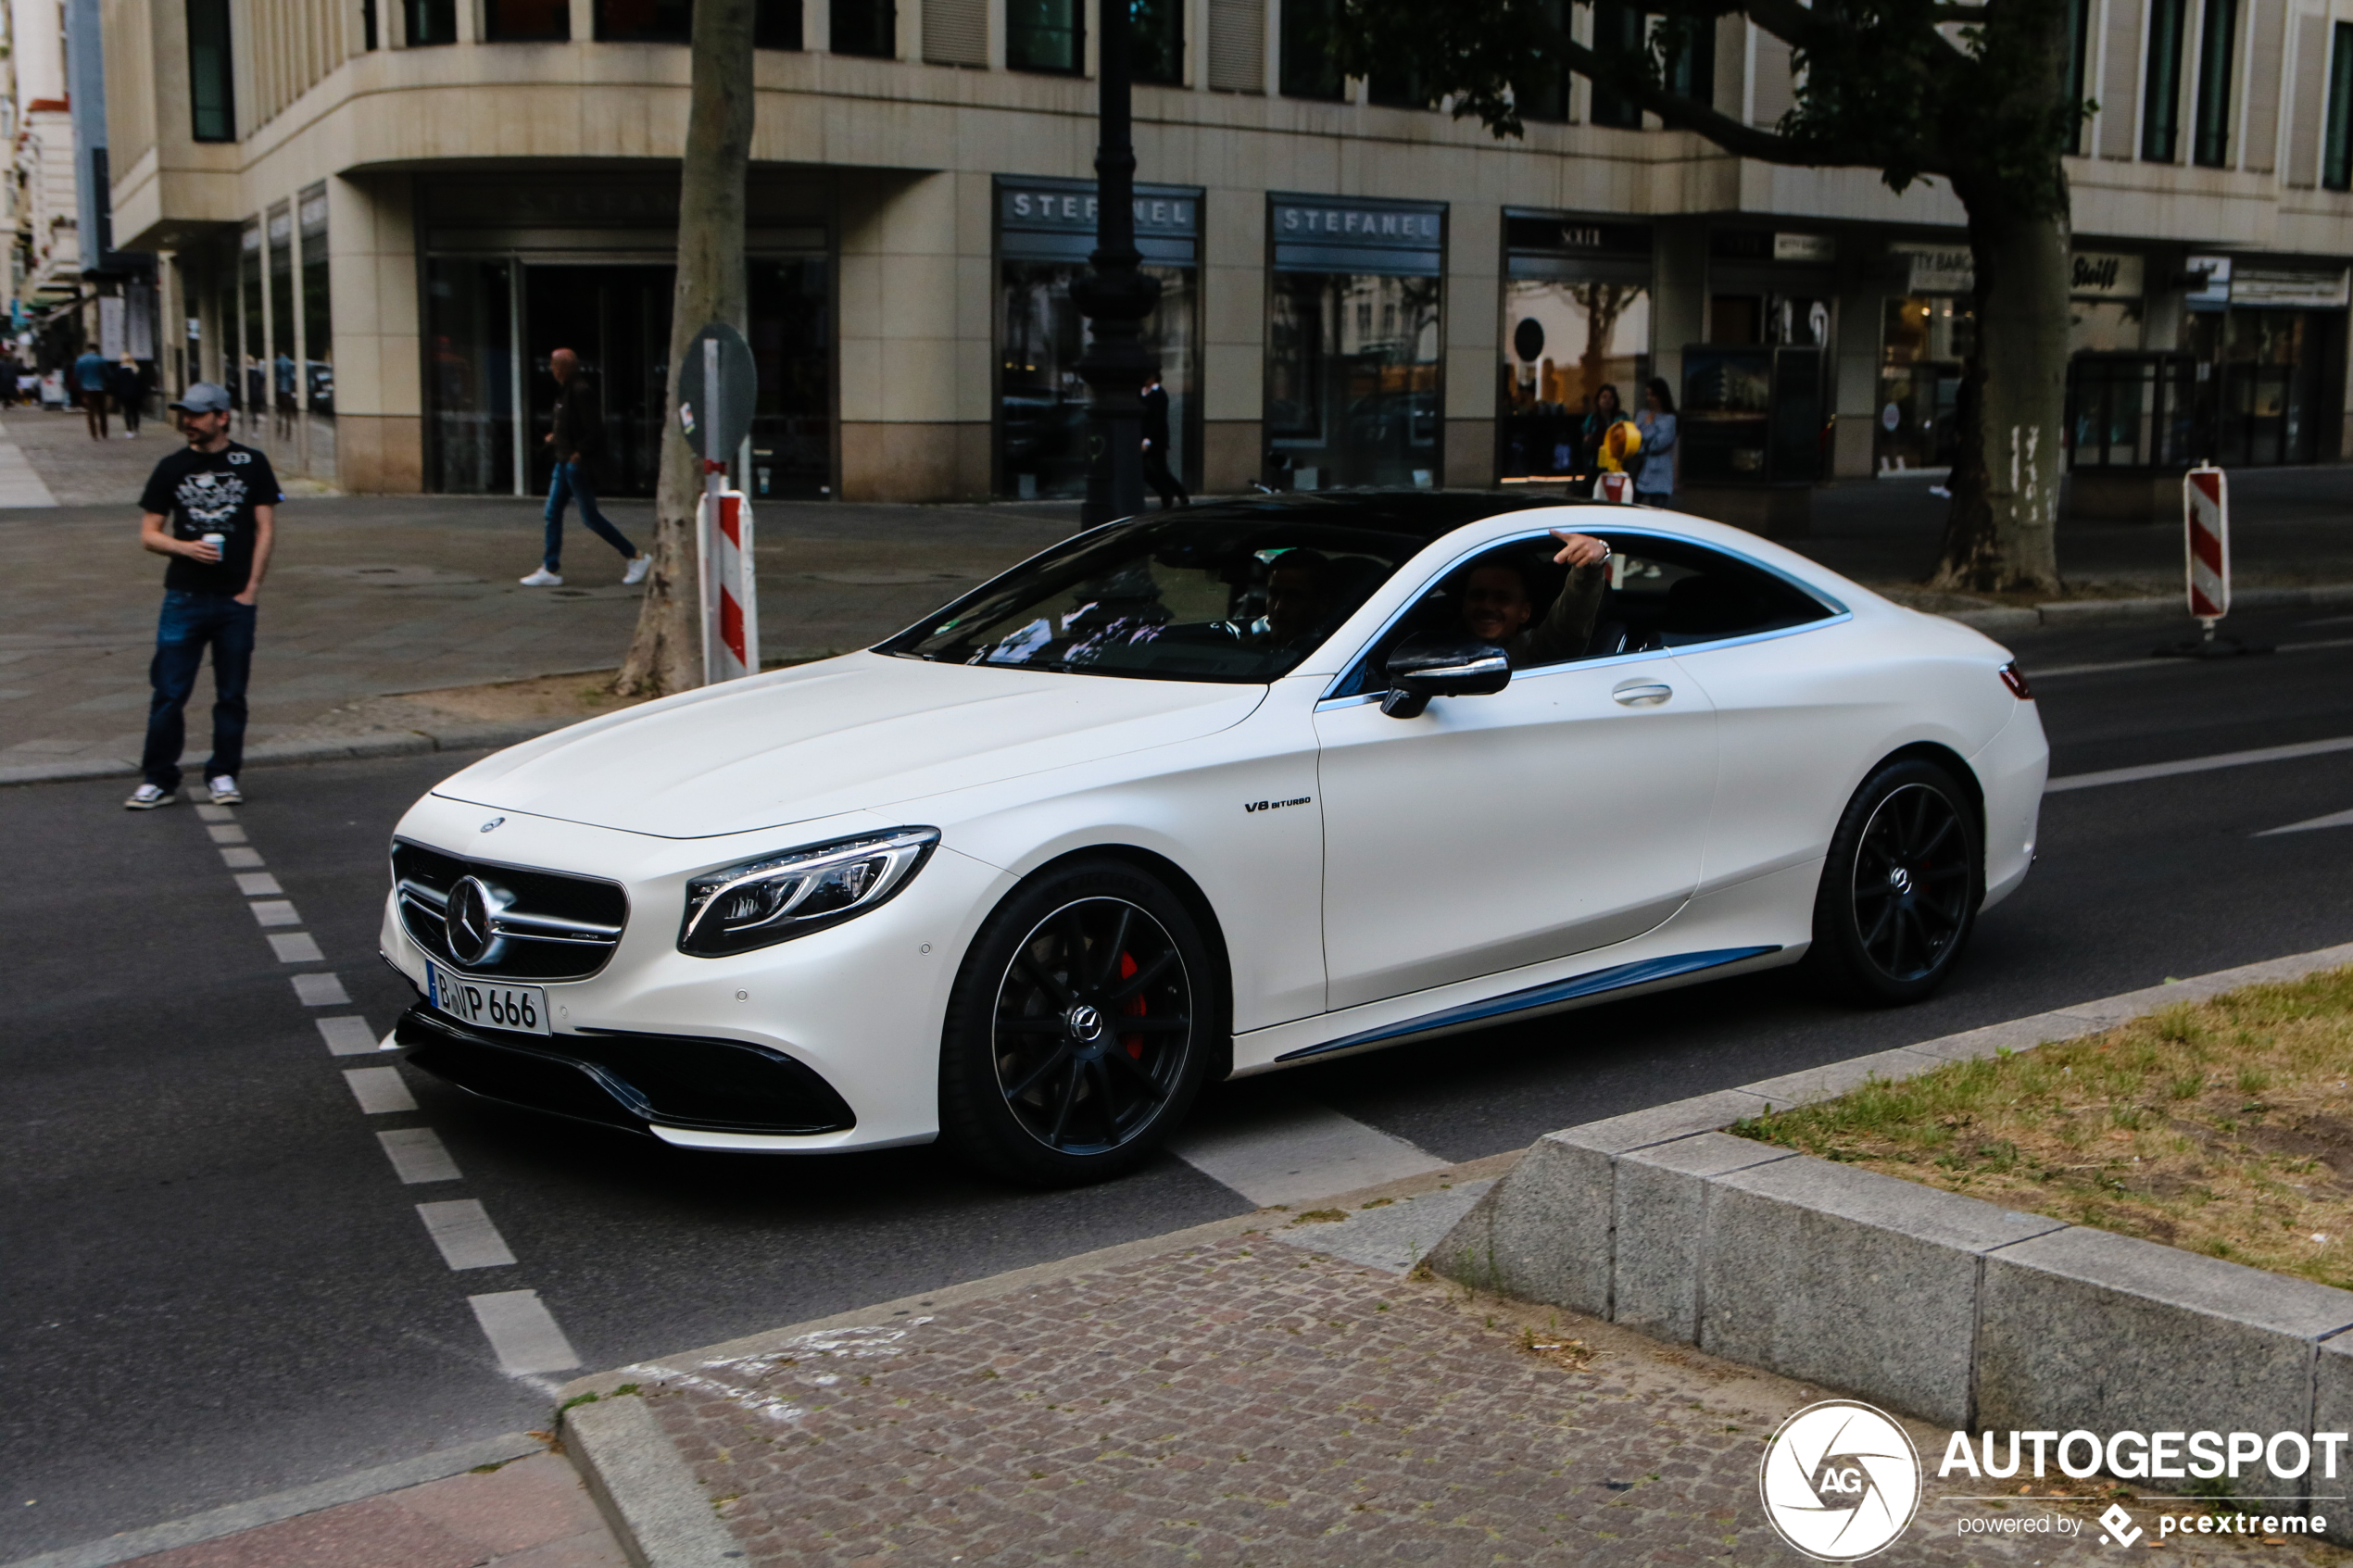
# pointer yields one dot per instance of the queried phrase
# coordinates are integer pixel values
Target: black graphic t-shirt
(202, 492)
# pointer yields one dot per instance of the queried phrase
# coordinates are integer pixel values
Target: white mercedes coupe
(1205, 794)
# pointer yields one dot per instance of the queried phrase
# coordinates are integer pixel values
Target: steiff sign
(1326, 234)
(2103, 275)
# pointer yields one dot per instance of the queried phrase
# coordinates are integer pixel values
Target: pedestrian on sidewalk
(211, 506)
(1655, 481)
(1156, 470)
(128, 382)
(89, 390)
(577, 438)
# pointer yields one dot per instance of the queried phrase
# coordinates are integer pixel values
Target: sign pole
(714, 485)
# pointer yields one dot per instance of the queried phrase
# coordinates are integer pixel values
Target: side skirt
(1642, 971)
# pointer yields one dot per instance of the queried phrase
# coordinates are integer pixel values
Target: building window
(368, 23)
(2079, 28)
(2336, 164)
(1045, 35)
(1542, 94)
(429, 21)
(211, 92)
(1618, 34)
(526, 21)
(1307, 69)
(1691, 72)
(775, 24)
(2217, 51)
(2161, 124)
(1157, 41)
(643, 22)
(865, 27)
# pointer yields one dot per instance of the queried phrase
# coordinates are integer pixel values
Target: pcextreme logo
(1840, 1480)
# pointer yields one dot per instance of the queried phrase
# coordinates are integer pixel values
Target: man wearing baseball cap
(209, 507)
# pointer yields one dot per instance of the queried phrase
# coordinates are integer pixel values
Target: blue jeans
(190, 620)
(572, 480)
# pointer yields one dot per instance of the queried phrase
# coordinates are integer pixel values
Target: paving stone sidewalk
(1264, 1399)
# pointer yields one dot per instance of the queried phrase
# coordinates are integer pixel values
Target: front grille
(628, 1080)
(550, 926)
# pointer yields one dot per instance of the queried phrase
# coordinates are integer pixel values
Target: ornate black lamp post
(1115, 295)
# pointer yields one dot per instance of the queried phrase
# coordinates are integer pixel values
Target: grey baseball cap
(204, 397)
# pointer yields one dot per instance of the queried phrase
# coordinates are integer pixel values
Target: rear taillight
(2015, 679)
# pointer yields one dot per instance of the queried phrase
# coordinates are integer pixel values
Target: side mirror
(1434, 665)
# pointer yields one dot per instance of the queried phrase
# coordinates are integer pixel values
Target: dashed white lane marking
(215, 814)
(2200, 764)
(417, 1156)
(2334, 819)
(253, 884)
(1299, 1153)
(522, 1332)
(297, 947)
(468, 1239)
(322, 990)
(226, 832)
(347, 1036)
(379, 1090)
(274, 911)
(20, 485)
(234, 858)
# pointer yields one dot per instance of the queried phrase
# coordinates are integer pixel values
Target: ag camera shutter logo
(1840, 1481)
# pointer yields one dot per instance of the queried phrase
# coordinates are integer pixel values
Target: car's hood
(851, 733)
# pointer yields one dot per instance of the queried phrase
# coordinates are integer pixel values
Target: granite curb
(2003, 619)
(1943, 1306)
(318, 748)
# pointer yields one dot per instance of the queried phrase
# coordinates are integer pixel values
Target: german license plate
(487, 1002)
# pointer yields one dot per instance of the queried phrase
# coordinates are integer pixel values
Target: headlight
(776, 899)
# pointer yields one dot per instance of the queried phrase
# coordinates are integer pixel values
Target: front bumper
(857, 1007)
(637, 1082)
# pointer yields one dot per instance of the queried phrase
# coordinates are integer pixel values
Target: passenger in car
(1499, 601)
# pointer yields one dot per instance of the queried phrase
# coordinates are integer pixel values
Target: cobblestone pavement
(1250, 1402)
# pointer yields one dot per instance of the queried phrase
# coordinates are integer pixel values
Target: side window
(1512, 597)
(1667, 593)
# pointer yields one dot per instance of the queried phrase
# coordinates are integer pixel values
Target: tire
(1082, 1022)
(1900, 889)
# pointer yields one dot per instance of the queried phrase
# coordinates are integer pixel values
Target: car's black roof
(1417, 514)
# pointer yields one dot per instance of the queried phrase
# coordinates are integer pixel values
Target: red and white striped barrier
(2206, 520)
(730, 595)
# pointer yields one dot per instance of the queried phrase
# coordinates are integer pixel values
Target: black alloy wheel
(1900, 893)
(1080, 1028)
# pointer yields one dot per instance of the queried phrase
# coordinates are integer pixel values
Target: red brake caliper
(1135, 1009)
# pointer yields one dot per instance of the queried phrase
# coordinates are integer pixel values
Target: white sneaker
(146, 797)
(638, 567)
(225, 790)
(543, 578)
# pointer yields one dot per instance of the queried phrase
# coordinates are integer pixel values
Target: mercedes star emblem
(1086, 1024)
(467, 925)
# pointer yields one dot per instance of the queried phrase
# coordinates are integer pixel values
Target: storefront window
(1045, 229)
(247, 378)
(792, 432)
(1577, 317)
(2263, 384)
(286, 380)
(1353, 389)
(317, 332)
(1924, 341)
(470, 374)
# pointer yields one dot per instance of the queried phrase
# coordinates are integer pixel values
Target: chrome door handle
(1642, 694)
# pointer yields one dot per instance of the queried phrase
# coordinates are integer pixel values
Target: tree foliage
(1975, 94)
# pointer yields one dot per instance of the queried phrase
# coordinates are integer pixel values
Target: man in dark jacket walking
(577, 438)
(1156, 470)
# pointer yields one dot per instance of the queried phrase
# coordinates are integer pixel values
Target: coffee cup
(219, 543)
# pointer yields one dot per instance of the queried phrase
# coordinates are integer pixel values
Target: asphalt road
(215, 1287)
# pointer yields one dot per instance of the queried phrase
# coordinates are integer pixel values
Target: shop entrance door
(616, 318)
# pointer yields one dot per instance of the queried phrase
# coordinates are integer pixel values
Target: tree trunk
(2001, 534)
(665, 656)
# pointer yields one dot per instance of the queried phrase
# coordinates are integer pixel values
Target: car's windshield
(1202, 598)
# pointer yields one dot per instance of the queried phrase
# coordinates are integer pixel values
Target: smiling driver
(1497, 604)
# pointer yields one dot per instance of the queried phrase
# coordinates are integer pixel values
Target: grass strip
(2224, 1127)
